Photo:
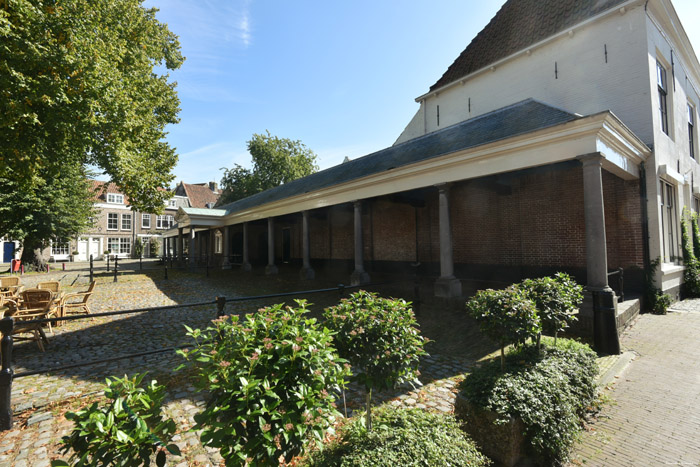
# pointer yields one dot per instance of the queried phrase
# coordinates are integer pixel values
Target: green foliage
(507, 316)
(401, 437)
(275, 161)
(271, 379)
(126, 432)
(691, 275)
(154, 247)
(549, 391)
(686, 242)
(380, 338)
(557, 300)
(79, 88)
(138, 248)
(656, 301)
(696, 234)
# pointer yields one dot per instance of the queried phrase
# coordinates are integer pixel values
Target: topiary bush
(126, 431)
(557, 300)
(506, 316)
(380, 338)
(549, 391)
(271, 379)
(401, 437)
(655, 299)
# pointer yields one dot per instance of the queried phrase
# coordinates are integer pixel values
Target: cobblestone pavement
(39, 401)
(653, 417)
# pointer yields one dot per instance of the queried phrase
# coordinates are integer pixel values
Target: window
(60, 247)
(121, 246)
(696, 204)
(669, 222)
(126, 221)
(663, 94)
(171, 203)
(218, 243)
(145, 221)
(115, 198)
(691, 130)
(164, 222)
(112, 221)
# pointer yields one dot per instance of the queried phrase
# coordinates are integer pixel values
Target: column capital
(594, 158)
(443, 187)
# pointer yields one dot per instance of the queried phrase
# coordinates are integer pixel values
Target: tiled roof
(200, 194)
(524, 117)
(518, 25)
(100, 189)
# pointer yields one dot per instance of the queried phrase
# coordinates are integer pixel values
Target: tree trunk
(32, 257)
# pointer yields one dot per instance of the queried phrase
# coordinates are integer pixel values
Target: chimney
(213, 186)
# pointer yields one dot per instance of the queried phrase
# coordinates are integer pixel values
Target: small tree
(691, 275)
(557, 300)
(696, 234)
(154, 247)
(138, 248)
(270, 379)
(507, 316)
(380, 338)
(126, 431)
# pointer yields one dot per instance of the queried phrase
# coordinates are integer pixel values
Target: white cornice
(528, 50)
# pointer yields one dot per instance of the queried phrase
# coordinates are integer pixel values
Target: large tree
(275, 161)
(80, 87)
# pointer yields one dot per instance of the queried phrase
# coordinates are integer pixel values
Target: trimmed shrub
(126, 431)
(506, 316)
(380, 338)
(557, 300)
(401, 437)
(549, 391)
(271, 378)
(655, 300)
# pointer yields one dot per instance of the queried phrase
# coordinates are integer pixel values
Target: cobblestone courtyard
(653, 417)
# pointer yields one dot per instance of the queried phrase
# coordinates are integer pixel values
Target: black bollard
(341, 290)
(207, 265)
(6, 374)
(140, 264)
(166, 271)
(220, 304)
(107, 263)
(116, 259)
(92, 278)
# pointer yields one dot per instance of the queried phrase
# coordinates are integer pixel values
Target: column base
(448, 287)
(225, 264)
(307, 273)
(271, 270)
(246, 267)
(605, 337)
(359, 278)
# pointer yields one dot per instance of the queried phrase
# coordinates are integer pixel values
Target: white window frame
(60, 247)
(119, 245)
(164, 222)
(218, 243)
(115, 198)
(662, 87)
(171, 203)
(669, 223)
(145, 221)
(112, 216)
(692, 131)
(126, 222)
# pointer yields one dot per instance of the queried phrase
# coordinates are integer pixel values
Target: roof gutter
(526, 51)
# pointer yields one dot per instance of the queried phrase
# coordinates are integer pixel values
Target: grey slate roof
(518, 25)
(523, 117)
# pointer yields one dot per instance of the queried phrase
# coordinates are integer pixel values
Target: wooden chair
(10, 286)
(53, 286)
(38, 298)
(77, 302)
(35, 304)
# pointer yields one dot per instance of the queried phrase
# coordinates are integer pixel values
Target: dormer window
(171, 203)
(115, 198)
(662, 85)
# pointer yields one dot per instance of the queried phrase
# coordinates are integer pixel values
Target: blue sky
(339, 76)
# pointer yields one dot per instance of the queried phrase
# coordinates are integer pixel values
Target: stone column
(271, 269)
(165, 247)
(359, 275)
(226, 264)
(602, 299)
(246, 259)
(447, 285)
(192, 248)
(307, 271)
(180, 244)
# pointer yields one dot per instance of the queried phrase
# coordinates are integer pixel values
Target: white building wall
(584, 84)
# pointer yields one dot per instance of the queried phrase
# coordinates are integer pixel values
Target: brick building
(562, 138)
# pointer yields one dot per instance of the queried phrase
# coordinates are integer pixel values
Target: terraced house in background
(563, 137)
(116, 227)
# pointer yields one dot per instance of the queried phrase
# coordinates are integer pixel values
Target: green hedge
(401, 437)
(549, 391)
